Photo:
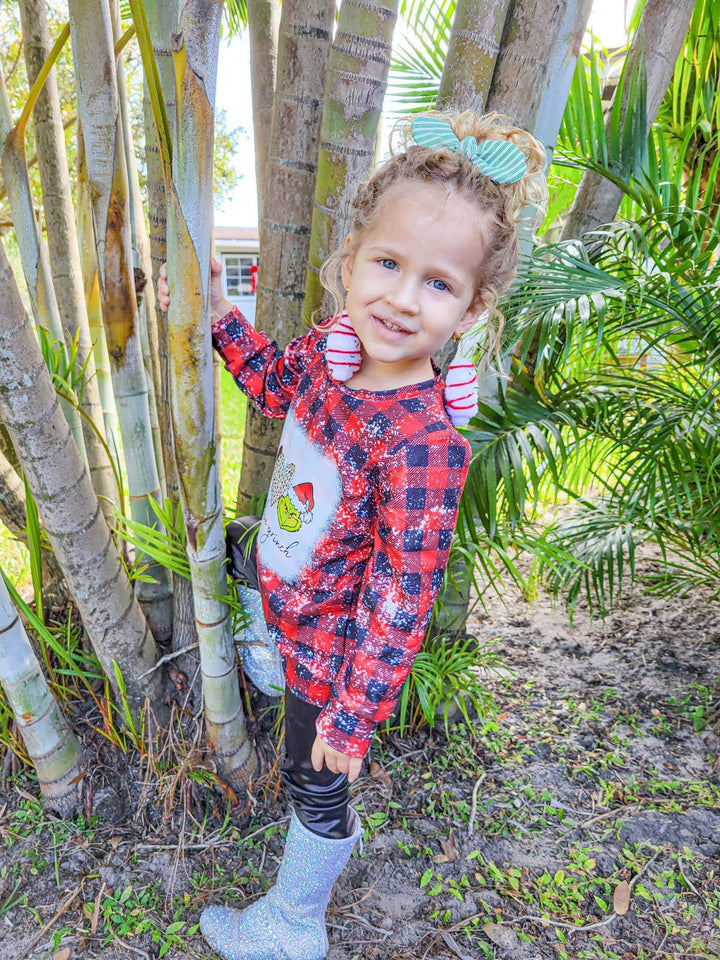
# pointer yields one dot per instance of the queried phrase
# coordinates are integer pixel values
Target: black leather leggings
(320, 800)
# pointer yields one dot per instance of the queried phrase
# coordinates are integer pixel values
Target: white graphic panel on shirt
(305, 492)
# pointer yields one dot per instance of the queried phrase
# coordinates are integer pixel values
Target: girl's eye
(388, 264)
(440, 285)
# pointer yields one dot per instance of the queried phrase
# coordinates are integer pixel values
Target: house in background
(237, 249)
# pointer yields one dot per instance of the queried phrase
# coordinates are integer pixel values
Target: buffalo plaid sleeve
(267, 374)
(418, 496)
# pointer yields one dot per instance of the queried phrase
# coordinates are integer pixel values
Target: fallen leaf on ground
(449, 848)
(502, 936)
(455, 947)
(377, 773)
(621, 898)
(63, 954)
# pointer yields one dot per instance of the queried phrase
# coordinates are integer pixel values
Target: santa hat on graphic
(304, 493)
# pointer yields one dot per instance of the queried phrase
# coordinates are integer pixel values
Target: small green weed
(701, 707)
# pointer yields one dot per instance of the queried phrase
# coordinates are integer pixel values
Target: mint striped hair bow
(500, 160)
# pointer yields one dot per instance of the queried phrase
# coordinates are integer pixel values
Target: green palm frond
(616, 140)
(517, 441)
(622, 333)
(445, 675)
(166, 545)
(600, 547)
(236, 17)
(679, 157)
(644, 285)
(693, 96)
(419, 57)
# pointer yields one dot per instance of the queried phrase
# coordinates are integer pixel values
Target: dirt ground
(584, 822)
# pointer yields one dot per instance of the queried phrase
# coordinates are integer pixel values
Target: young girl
(354, 540)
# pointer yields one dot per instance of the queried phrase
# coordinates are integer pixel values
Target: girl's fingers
(317, 755)
(163, 288)
(335, 761)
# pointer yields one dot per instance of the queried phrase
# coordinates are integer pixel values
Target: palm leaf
(236, 17)
(419, 57)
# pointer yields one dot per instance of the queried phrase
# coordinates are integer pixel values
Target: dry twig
(62, 909)
(473, 808)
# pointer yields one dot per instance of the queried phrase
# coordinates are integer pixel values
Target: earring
(456, 337)
(461, 383)
(342, 351)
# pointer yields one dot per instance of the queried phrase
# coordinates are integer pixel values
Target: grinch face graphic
(294, 505)
(304, 496)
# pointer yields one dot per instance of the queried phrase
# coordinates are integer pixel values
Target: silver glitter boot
(259, 656)
(288, 923)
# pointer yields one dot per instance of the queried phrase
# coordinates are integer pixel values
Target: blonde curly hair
(502, 204)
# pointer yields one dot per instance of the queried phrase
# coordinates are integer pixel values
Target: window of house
(238, 280)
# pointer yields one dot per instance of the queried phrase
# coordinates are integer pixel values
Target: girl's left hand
(335, 761)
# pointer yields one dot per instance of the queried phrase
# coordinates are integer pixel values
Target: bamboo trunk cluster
(66, 501)
(100, 116)
(189, 194)
(303, 49)
(472, 54)
(63, 241)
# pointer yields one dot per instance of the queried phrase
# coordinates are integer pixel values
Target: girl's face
(412, 281)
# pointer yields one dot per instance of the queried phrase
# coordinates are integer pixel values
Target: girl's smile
(391, 327)
(412, 281)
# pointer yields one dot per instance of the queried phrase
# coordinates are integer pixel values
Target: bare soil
(583, 822)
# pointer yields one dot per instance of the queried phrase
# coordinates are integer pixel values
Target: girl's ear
(473, 313)
(348, 260)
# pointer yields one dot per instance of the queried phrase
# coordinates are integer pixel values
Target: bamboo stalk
(536, 59)
(141, 260)
(195, 49)
(303, 50)
(35, 263)
(264, 25)
(161, 20)
(99, 109)
(91, 286)
(156, 596)
(63, 240)
(355, 90)
(472, 54)
(51, 745)
(191, 364)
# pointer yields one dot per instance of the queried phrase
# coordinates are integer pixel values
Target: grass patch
(233, 410)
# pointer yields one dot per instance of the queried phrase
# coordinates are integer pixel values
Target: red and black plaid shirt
(351, 556)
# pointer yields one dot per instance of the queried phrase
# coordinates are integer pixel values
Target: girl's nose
(403, 295)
